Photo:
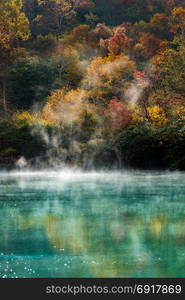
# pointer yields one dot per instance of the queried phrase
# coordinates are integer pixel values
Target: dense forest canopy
(92, 83)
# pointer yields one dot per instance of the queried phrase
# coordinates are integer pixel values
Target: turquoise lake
(97, 224)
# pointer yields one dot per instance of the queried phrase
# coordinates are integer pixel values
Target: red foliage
(119, 115)
(141, 78)
(117, 43)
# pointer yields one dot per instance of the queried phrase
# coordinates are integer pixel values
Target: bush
(18, 141)
(148, 147)
(140, 147)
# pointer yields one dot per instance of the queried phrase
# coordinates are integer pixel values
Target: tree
(30, 9)
(159, 25)
(119, 115)
(168, 71)
(114, 12)
(32, 79)
(80, 34)
(107, 77)
(101, 31)
(84, 4)
(150, 44)
(55, 16)
(118, 43)
(45, 44)
(178, 15)
(14, 26)
(67, 108)
(13, 21)
(141, 78)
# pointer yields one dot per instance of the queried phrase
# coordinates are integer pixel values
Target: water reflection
(94, 225)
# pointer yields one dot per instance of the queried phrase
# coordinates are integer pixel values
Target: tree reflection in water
(109, 225)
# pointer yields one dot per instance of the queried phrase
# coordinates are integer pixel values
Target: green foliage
(17, 141)
(32, 80)
(149, 147)
(88, 126)
(125, 10)
(56, 16)
(140, 147)
(45, 44)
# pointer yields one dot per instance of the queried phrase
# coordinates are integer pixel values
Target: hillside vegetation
(92, 83)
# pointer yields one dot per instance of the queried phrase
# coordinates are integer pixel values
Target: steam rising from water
(133, 93)
(73, 104)
(67, 174)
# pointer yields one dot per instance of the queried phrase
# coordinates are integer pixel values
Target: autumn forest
(92, 83)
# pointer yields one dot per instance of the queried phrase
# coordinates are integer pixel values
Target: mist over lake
(92, 224)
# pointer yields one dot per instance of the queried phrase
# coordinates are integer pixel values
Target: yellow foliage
(136, 115)
(179, 112)
(13, 20)
(157, 115)
(67, 107)
(62, 108)
(110, 72)
(25, 117)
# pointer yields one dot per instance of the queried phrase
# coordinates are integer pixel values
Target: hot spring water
(75, 224)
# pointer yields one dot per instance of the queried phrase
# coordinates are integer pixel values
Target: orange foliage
(80, 33)
(159, 21)
(151, 45)
(178, 15)
(84, 4)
